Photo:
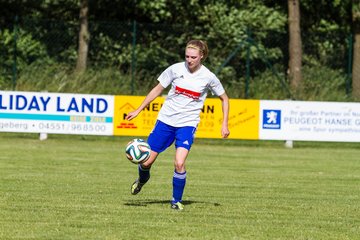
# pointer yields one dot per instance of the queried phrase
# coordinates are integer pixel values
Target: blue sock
(144, 174)
(179, 181)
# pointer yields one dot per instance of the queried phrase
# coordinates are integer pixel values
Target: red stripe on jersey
(186, 92)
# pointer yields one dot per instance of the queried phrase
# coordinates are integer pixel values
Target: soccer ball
(137, 151)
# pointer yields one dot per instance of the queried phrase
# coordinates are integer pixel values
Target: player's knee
(179, 167)
(146, 164)
(149, 162)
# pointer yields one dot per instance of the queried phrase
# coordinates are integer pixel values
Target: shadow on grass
(144, 203)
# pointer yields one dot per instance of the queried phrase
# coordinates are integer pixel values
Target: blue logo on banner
(271, 119)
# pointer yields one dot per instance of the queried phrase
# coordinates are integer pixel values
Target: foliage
(19, 45)
(325, 35)
(266, 85)
(155, 9)
(109, 80)
(228, 27)
(139, 39)
(61, 78)
(313, 87)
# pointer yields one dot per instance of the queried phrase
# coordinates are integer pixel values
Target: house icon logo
(123, 110)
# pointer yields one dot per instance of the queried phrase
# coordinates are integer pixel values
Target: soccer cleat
(177, 206)
(136, 187)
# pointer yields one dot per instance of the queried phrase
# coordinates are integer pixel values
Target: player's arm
(225, 109)
(154, 93)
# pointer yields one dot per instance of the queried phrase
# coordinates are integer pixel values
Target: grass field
(73, 187)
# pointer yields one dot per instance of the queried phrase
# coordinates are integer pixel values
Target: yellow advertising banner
(143, 123)
(243, 118)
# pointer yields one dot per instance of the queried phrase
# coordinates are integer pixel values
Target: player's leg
(144, 174)
(184, 140)
(159, 139)
(179, 178)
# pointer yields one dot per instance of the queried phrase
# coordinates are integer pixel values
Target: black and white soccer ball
(138, 151)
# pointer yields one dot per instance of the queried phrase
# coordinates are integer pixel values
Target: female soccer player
(180, 114)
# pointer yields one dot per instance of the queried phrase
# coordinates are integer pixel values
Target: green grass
(73, 187)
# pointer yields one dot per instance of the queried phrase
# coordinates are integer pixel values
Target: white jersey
(188, 92)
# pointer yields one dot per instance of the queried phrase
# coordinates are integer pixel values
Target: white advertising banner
(309, 121)
(39, 112)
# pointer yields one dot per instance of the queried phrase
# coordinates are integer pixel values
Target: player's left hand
(225, 132)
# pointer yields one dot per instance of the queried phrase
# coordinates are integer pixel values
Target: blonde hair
(199, 45)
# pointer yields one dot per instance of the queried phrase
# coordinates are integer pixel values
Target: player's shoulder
(208, 72)
(176, 68)
(179, 65)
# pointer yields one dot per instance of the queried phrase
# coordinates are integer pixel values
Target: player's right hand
(131, 115)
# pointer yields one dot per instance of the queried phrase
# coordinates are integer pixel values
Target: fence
(254, 66)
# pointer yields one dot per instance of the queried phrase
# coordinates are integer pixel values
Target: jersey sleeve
(216, 87)
(166, 77)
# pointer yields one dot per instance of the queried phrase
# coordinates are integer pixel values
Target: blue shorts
(163, 135)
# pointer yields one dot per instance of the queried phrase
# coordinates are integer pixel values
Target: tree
(356, 49)
(84, 37)
(295, 45)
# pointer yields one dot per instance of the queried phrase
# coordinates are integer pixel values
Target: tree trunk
(356, 49)
(84, 37)
(295, 48)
